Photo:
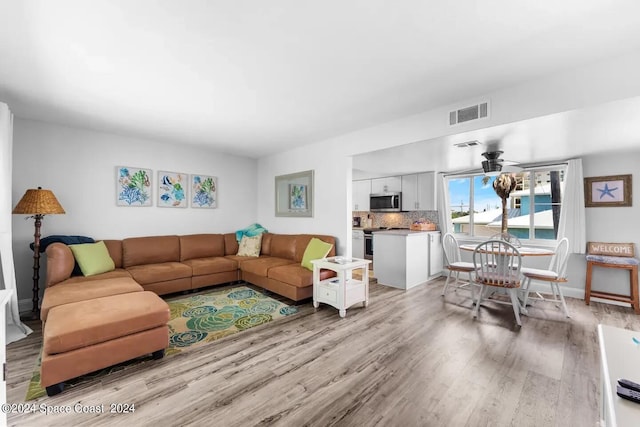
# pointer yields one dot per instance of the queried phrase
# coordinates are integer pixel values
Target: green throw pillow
(316, 249)
(93, 258)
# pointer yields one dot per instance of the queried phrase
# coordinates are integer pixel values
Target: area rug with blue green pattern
(197, 320)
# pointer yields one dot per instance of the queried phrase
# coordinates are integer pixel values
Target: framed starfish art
(607, 191)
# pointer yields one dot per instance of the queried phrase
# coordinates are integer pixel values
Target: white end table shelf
(343, 291)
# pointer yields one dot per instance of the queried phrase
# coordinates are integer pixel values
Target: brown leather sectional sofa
(168, 264)
(93, 322)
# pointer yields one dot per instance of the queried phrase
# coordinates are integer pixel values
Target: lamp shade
(38, 202)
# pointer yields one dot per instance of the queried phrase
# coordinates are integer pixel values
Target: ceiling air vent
(466, 114)
(467, 144)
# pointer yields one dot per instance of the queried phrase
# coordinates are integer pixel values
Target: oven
(368, 242)
(368, 245)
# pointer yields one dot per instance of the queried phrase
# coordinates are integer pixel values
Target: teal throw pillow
(316, 249)
(93, 258)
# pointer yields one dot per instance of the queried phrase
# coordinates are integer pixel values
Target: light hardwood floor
(409, 359)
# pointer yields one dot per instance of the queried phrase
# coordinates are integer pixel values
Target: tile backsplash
(395, 219)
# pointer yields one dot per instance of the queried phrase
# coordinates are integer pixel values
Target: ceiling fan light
(492, 167)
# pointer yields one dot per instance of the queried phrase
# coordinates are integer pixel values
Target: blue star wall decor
(606, 191)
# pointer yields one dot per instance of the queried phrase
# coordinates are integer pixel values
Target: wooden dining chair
(455, 265)
(507, 237)
(554, 275)
(497, 265)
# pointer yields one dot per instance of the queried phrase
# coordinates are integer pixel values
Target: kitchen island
(404, 258)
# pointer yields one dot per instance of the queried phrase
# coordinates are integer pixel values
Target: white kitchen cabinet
(386, 185)
(360, 194)
(410, 192)
(404, 259)
(436, 254)
(419, 192)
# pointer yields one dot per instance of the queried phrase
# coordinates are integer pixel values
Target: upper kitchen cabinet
(419, 192)
(386, 185)
(361, 190)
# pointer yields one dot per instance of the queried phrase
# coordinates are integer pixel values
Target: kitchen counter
(403, 232)
(406, 258)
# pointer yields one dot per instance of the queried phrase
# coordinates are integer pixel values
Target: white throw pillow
(250, 246)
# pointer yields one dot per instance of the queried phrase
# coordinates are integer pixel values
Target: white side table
(343, 291)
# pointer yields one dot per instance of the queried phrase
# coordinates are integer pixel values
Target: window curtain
(444, 214)
(15, 328)
(572, 215)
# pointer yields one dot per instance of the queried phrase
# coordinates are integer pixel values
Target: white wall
(79, 166)
(332, 194)
(611, 224)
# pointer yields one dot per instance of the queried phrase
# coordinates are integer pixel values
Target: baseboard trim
(25, 305)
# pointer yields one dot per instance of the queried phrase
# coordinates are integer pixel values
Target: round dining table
(524, 250)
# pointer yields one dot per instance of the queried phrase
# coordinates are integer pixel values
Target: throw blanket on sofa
(67, 240)
(250, 231)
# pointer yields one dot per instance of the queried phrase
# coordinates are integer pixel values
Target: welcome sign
(611, 249)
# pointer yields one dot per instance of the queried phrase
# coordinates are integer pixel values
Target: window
(476, 210)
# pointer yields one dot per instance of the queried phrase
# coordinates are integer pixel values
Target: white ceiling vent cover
(467, 144)
(467, 114)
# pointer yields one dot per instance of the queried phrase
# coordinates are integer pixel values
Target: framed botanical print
(297, 197)
(204, 191)
(294, 194)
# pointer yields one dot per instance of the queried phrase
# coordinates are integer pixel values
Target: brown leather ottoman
(82, 291)
(85, 336)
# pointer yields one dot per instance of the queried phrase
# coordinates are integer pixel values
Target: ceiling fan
(493, 165)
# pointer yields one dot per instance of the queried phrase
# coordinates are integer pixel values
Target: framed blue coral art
(297, 197)
(204, 191)
(133, 186)
(172, 189)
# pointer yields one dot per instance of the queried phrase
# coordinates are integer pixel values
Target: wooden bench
(618, 256)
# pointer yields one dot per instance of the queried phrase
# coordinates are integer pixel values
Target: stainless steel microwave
(385, 202)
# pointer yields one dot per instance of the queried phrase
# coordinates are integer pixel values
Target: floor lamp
(37, 203)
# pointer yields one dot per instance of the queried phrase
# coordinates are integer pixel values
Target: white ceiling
(608, 127)
(254, 77)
